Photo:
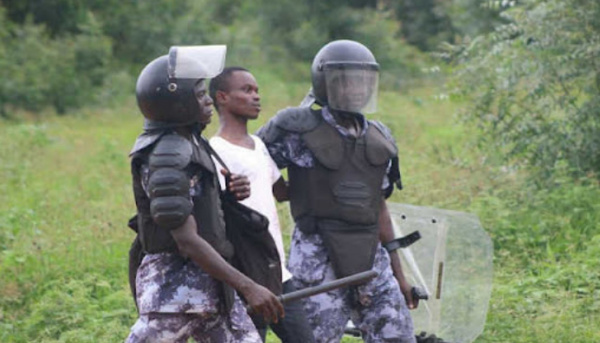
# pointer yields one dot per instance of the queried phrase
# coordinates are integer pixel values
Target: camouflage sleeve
(280, 143)
(282, 136)
(274, 139)
(278, 153)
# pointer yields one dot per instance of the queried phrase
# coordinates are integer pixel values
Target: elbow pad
(169, 185)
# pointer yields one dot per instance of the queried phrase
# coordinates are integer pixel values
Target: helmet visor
(196, 62)
(352, 87)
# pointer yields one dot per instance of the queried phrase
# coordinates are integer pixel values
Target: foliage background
(493, 103)
(534, 86)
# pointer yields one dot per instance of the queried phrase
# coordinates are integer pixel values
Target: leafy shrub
(534, 85)
(296, 32)
(40, 71)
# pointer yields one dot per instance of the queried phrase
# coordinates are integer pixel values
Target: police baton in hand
(352, 280)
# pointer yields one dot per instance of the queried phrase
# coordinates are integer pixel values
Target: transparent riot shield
(453, 262)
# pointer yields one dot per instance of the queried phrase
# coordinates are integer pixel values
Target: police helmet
(165, 87)
(345, 77)
(164, 100)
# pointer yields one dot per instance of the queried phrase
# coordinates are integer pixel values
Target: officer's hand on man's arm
(386, 234)
(238, 184)
(191, 245)
(280, 190)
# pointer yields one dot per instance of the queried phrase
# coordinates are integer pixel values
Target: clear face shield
(187, 65)
(196, 62)
(352, 87)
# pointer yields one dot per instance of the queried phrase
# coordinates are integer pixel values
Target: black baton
(352, 280)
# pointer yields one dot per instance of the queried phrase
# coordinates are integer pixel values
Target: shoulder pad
(171, 151)
(387, 133)
(297, 119)
(381, 146)
(145, 140)
(291, 119)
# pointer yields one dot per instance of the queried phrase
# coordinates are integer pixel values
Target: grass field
(65, 198)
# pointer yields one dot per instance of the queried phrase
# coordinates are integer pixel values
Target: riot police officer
(184, 285)
(341, 167)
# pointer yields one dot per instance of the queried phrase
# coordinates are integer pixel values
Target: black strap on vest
(256, 253)
(212, 151)
(402, 242)
(215, 155)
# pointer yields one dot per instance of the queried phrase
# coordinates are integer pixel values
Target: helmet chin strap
(197, 128)
(152, 125)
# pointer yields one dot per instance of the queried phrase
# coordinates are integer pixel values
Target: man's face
(350, 90)
(204, 102)
(242, 98)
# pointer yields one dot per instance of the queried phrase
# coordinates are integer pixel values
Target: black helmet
(345, 76)
(165, 87)
(164, 99)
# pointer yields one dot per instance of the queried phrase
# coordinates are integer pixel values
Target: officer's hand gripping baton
(352, 280)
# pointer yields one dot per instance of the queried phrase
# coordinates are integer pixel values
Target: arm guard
(170, 203)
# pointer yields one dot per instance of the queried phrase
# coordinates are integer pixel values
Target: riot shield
(453, 262)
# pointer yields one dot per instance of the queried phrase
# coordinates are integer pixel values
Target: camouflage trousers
(179, 327)
(378, 308)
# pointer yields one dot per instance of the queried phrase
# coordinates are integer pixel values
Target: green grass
(65, 198)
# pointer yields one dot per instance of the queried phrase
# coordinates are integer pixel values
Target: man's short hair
(221, 82)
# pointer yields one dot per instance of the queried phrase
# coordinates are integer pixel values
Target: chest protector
(340, 197)
(206, 203)
(197, 168)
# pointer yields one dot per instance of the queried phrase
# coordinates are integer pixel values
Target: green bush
(534, 86)
(59, 53)
(296, 32)
(39, 71)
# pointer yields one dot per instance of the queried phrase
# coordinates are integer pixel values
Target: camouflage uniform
(179, 327)
(377, 308)
(178, 300)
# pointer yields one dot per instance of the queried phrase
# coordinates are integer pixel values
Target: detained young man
(237, 100)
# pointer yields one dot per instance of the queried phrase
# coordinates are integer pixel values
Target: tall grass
(65, 197)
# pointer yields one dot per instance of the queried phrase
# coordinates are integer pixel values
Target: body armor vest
(340, 196)
(206, 211)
